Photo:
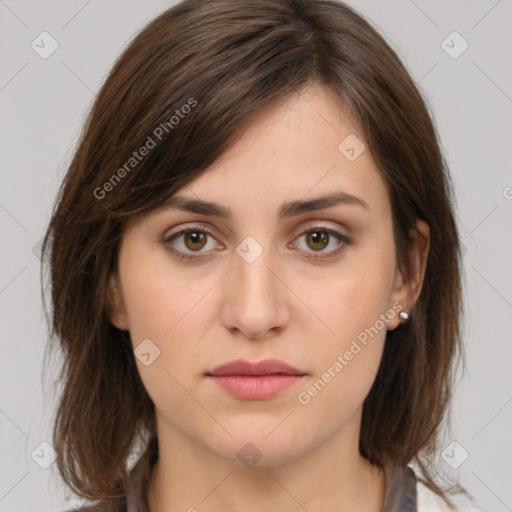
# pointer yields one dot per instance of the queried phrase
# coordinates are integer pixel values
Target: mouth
(255, 381)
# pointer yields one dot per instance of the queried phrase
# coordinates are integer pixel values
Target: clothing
(430, 502)
(403, 493)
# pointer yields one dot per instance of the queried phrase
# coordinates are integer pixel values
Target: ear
(407, 289)
(115, 307)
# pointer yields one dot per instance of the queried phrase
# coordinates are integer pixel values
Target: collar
(400, 494)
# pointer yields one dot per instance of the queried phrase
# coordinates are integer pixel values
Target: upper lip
(265, 367)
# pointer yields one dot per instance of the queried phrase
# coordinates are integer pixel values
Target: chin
(261, 450)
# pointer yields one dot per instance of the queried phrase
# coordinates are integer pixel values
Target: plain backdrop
(43, 102)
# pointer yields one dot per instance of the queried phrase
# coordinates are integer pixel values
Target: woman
(255, 271)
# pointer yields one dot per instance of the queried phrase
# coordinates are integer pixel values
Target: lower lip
(252, 387)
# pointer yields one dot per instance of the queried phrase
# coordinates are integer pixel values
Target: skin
(283, 305)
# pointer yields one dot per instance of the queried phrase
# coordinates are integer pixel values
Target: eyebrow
(287, 208)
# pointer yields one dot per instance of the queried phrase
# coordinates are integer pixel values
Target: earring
(404, 316)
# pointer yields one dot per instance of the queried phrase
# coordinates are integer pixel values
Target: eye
(188, 243)
(193, 239)
(319, 238)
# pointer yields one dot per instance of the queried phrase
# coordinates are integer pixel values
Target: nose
(255, 300)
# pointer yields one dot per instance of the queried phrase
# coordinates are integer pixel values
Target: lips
(246, 368)
(255, 381)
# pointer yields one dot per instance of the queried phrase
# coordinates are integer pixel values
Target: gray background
(43, 103)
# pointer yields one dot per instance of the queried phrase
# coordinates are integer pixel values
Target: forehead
(302, 146)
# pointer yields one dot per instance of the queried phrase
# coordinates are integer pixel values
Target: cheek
(356, 296)
(169, 308)
(160, 308)
(353, 308)
(347, 360)
(155, 298)
(149, 301)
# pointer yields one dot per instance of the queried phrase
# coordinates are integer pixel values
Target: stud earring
(404, 316)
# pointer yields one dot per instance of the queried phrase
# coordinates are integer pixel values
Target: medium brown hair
(226, 60)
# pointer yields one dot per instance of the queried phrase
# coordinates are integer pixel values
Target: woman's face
(312, 286)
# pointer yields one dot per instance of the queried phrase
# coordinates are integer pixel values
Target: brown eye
(317, 240)
(194, 240)
(186, 242)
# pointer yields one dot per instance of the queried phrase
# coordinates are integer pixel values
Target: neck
(332, 476)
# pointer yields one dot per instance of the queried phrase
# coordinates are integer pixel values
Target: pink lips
(255, 381)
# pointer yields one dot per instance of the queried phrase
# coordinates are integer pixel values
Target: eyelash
(200, 229)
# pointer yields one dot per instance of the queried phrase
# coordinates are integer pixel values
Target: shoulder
(429, 501)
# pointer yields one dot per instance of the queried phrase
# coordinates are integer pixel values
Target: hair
(185, 88)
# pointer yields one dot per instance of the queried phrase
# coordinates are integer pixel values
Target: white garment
(429, 501)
